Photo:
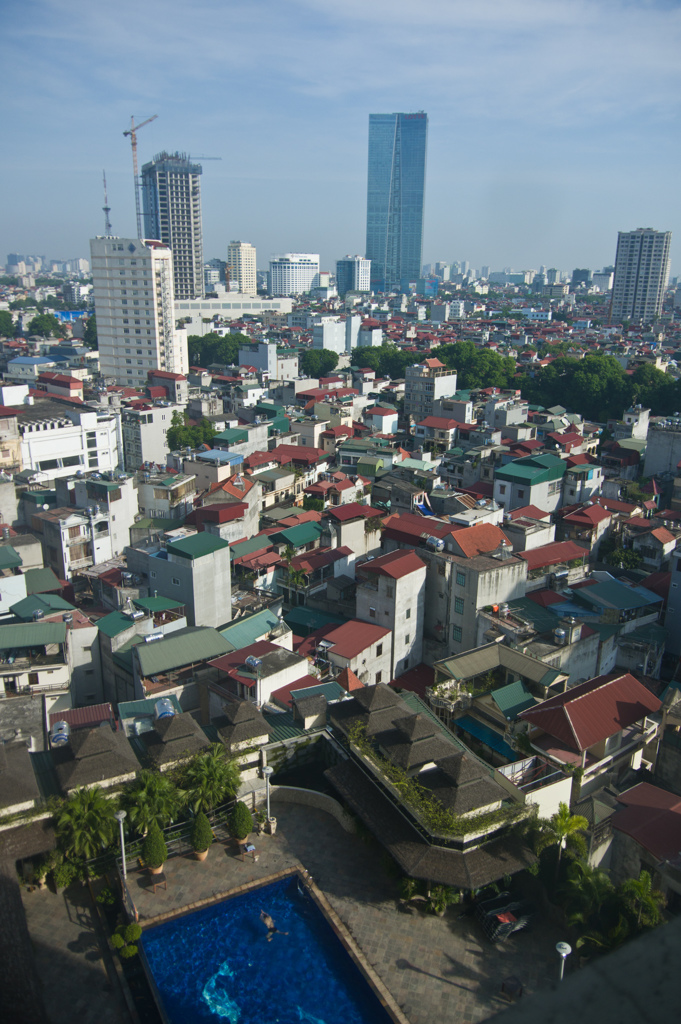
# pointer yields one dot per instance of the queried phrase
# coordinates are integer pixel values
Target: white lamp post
(267, 772)
(120, 818)
(563, 949)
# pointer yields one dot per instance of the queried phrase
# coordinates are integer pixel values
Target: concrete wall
(310, 798)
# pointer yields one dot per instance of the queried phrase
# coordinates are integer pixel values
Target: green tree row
(212, 348)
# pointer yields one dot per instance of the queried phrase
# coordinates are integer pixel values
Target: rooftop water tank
(560, 637)
(60, 734)
(435, 543)
(164, 708)
(153, 636)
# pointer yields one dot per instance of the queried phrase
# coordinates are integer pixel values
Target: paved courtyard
(437, 969)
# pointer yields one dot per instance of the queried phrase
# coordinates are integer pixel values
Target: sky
(552, 123)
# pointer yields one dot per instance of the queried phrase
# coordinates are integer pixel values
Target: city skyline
(540, 136)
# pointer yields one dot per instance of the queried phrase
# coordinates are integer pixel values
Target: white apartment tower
(641, 275)
(241, 262)
(353, 274)
(293, 273)
(171, 196)
(135, 309)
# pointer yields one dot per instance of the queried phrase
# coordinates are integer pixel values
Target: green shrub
(107, 897)
(132, 932)
(63, 874)
(202, 834)
(154, 849)
(124, 939)
(240, 821)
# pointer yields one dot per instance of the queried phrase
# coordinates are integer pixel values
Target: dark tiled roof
(17, 782)
(93, 756)
(173, 738)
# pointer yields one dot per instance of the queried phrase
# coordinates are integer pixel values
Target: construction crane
(106, 208)
(132, 132)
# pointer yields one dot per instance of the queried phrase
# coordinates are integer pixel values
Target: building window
(379, 676)
(461, 579)
(389, 591)
(521, 494)
(407, 614)
(457, 634)
(175, 581)
(372, 613)
(502, 488)
(379, 650)
(153, 575)
(407, 638)
(458, 605)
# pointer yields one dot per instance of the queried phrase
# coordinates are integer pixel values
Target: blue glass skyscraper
(395, 194)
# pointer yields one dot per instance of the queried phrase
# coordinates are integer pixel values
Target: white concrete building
(144, 434)
(135, 308)
(241, 260)
(58, 438)
(641, 275)
(353, 274)
(391, 592)
(329, 333)
(171, 193)
(293, 273)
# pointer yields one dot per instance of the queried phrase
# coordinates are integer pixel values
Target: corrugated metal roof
(40, 581)
(81, 717)
(296, 536)
(612, 594)
(304, 620)
(512, 699)
(483, 659)
(9, 558)
(114, 623)
(197, 546)
(46, 603)
(593, 711)
(140, 708)
(247, 631)
(283, 726)
(32, 634)
(158, 604)
(185, 647)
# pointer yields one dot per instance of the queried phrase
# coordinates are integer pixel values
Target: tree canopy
(318, 362)
(44, 324)
(90, 337)
(6, 324)
(212, 348)
(182, 435)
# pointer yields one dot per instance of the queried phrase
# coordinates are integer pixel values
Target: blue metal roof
(486, 735)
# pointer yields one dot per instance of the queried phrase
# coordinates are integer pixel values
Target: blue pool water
(216, 964)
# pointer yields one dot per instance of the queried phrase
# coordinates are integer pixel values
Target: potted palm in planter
(201, 836)
(441, 897)
(154, 849)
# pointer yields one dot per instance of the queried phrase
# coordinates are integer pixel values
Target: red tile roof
(479, 540)
(349, 681)
(590, 515)
(652, 817)
(353, 637)
(352, 510)
(663, 535)
(395, 564)
(415, 680)
(283, 695)
(592, 711)
(529, 511)
(552, 554)
(441, 423)
(79, 718)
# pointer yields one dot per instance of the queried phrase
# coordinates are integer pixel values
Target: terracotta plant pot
(156, 871)
(200, 854)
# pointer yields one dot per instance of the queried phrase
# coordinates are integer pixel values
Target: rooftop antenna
(106, 208)
(132, 132)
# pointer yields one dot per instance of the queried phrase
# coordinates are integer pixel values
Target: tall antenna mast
(106, 208)
(132, 132)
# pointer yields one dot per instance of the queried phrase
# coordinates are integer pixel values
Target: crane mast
(106, 208)
(132, 132)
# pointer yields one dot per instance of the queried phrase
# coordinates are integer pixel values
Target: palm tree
(209, 778)
(152, 797)
(86, 824)
(642, 900)
(563, 829)
(585, 893)
(607, 940)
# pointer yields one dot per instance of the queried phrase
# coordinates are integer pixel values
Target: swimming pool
(216, 964)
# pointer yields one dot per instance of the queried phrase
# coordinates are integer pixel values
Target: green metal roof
(232, 436)
(114, 623)
(32, 634)
(297, 536)
(331, 690)
(246, 631)
(140, 708)
(247, 547)
(185, 647)
(158, 524)
(39, 581)
(304, 620)
(9, 558)
(197, 546)
(612, 594)
(535, 469)
(513, 699)
(158, 604)
(46, 603)
(543, 619)
(283, 726)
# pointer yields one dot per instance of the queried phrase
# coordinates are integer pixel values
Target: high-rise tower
(171, 197)
(395, 195)
(641, 275)
(133, 290)
(242, 266)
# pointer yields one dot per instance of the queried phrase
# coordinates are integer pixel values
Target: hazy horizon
(551, 127)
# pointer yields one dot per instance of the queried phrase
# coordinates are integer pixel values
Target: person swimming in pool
(271, 927)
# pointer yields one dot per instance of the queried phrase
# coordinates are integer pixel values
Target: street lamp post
(563, 949)
(120, 818)
(267, 772)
